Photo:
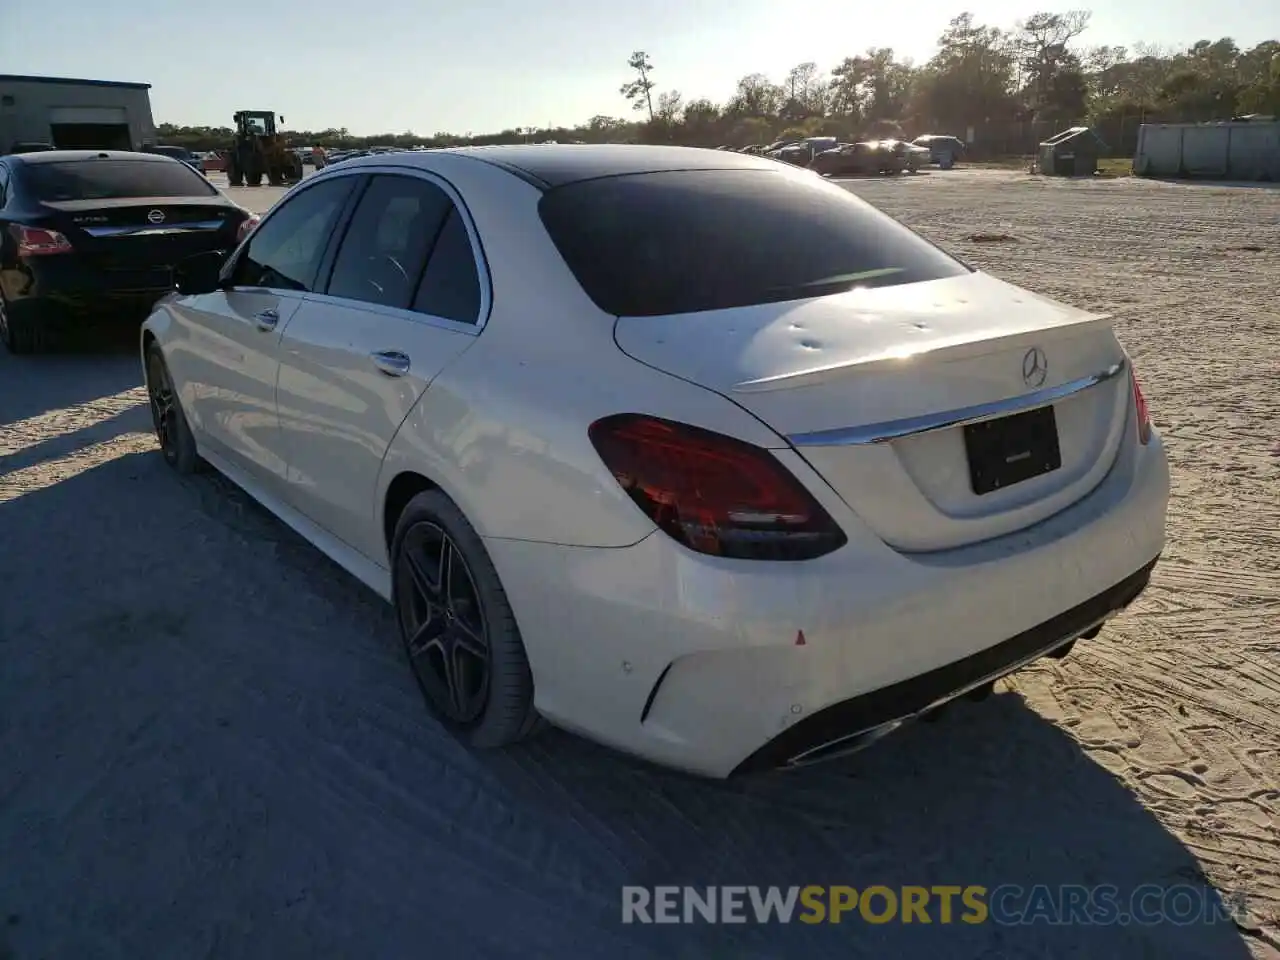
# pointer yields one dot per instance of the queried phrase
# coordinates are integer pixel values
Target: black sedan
(87, 236)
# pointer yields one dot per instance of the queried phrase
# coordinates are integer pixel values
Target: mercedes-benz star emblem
(156, 216)
(1035, 367)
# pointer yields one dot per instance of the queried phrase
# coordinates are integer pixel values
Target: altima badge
(1035, 367)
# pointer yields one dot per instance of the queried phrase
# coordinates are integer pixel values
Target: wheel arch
(404, 486)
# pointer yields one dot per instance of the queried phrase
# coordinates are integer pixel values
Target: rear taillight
(247, 227)
(37, 242)
(714, 494)
(1140, 409)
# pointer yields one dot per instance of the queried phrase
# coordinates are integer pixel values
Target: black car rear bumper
(57, 288)
(845, 727)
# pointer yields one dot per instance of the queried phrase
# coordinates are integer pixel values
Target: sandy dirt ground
(210, 746)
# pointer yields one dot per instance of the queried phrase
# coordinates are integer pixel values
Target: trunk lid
(144, 233)
(867, 386)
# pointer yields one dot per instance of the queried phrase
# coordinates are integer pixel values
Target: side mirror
(199, 273)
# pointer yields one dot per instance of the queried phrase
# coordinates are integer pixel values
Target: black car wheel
(23, 328)
(457, 626)
(177, 445)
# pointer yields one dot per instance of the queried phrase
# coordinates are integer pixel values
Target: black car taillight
(38, 242)
(246, 227)
(712, 493)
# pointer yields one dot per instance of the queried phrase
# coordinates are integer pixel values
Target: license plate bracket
(1012, 449)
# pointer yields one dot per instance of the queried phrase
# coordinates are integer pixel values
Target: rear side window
(285, 250)
(686, 241)
(113, 180)
(450, 285)
(386, 246)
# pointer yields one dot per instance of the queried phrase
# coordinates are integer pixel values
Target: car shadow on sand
(210, 745)
(84, 367)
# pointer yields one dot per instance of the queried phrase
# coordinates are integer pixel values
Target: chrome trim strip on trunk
(888, 430)
(149, 230)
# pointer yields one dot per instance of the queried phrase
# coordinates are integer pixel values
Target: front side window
(285, 250)
(393, 229)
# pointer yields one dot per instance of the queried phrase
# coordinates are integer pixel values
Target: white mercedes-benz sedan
(685, 450)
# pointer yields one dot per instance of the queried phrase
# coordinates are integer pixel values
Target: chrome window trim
(888, 430)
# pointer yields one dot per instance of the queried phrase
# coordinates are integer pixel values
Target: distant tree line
(1002, 87)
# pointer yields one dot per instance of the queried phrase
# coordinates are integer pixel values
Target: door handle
(266, 320)
(391, 362)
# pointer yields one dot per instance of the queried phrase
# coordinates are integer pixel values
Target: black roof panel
(555, 164)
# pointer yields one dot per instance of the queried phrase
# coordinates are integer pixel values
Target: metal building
(1244, 150)
(74, 114)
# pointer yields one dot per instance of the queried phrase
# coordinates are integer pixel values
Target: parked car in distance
(944, 150)
(800, 153)
(868, 158)
(92, 236)
(181, 154)
(31, 146)
(802, 477)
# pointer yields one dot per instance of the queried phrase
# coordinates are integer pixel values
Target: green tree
(639, 92)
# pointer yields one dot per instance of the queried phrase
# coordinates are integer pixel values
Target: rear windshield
(113, 179)
(685, 241)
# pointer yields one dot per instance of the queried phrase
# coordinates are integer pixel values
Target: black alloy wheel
(163, 407)
(443, 624)
(457, 626)
(177, 445)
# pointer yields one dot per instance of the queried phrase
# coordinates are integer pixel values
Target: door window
(285, 250)
(392, 230)
(450, 286)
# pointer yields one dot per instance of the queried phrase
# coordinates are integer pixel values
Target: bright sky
(378, 66)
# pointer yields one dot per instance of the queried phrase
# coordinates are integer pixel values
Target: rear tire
(24, 327)
(499, 711)
(177, 444)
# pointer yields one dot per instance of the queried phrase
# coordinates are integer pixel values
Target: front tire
(177, 444)
(457, 626)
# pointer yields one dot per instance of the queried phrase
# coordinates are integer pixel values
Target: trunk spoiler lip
(971, 344)
(889, 430)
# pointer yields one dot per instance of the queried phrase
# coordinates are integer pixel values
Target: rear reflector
(712, 493)
(36, 242)
(1140, 409)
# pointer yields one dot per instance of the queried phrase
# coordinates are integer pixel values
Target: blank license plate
(1011, 449)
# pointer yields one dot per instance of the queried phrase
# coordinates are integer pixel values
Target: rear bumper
(854, 723)
(71, 290)
(697, 662)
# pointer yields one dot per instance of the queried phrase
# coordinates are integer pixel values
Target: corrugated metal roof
(16, 78)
